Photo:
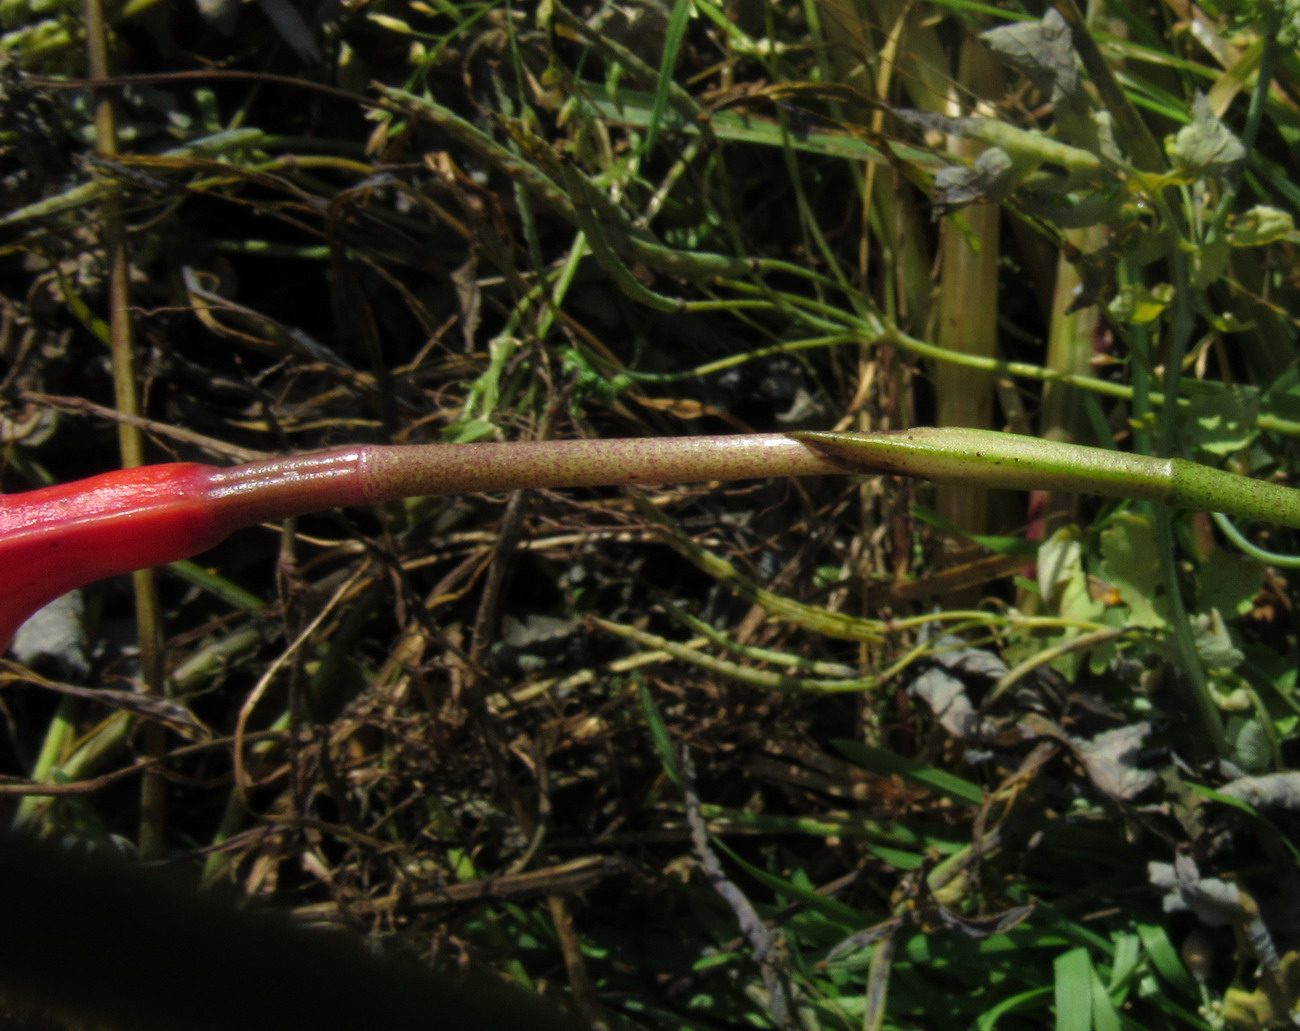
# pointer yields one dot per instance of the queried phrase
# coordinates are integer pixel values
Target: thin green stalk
(766, 680)
(1246, 545)
(1254, 117)
(58, 736)
(882, 335)
(1189, 659)
(1180, 333)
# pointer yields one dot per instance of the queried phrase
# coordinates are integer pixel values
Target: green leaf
(1261, 225)
(1073, 978)
(1213, 642)
(832, 909)
(988, 1020)
(1131, 563)
(663, 741)
(673, 35)
(1205, 146)
(1228, 583)
(1124, 963)
(881, 760)
(1060, 559)
(1104, 1015)
(1138, 306)
(1250, 747)
(1164, 957)
(1282, 398)
(1221, 422)
(1288, 32)
(1063, 585)
(1209, 262)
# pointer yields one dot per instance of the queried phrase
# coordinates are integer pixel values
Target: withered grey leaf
(164, 710)
(1111, 760)
(1104, 130)
(990, 178)
(56, 631)
(224, 14)
(1042, 50)
(929, 121)
(1269, 790)
(946, 697)
(942, 686)
(1215, 902)
(291, 27)
(536, 629)
(470, 301)
(862, 939)
(984, 926)
(954, 655)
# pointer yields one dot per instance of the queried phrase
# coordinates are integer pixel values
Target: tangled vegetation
(815, 754)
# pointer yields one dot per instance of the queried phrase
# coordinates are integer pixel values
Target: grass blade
(677, 23)
(881, 760)
(1073, 972)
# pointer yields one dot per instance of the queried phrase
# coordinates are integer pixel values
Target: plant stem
(58, 538)
(1006, 460)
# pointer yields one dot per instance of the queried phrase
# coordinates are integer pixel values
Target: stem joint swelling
(58, 538)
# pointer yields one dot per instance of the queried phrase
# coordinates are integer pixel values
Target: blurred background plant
(823, 755)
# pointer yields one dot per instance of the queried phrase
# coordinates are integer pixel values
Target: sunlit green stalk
(1005, 460)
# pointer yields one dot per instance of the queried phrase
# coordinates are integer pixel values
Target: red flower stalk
(58, 538)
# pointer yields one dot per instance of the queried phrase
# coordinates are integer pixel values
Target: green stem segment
(990, 459)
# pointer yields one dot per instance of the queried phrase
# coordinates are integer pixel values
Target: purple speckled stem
(54, 539)
(281, 487)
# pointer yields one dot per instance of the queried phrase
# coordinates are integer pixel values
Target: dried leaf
(947, 699)
(980, 927)
(1216, 903)
(58, 632)
(1270, 790)
(1111, 759)
(864, 939)
(164, 710)
(942, 686)
(1044, 52)
(1272, 1004)
(990, 179)
(929, 121)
